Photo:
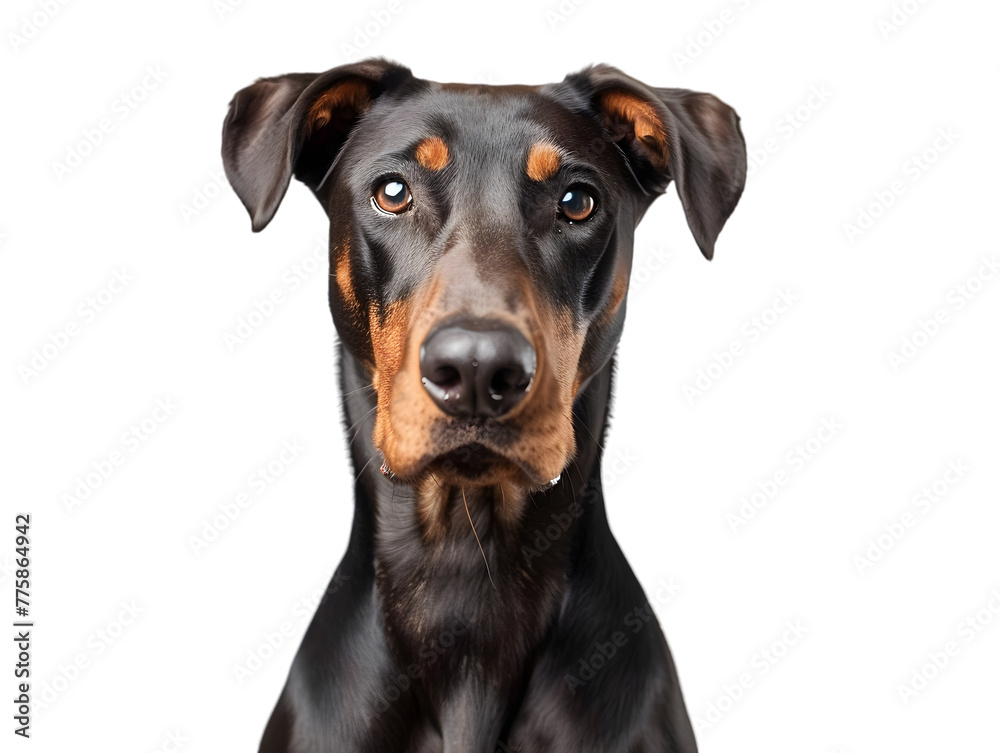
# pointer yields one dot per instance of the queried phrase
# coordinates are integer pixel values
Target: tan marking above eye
(543, 161)
(432, 153)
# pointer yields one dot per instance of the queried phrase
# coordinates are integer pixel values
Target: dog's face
(481, 240)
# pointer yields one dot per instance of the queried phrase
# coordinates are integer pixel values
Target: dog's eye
(392, 197)
(577, 205)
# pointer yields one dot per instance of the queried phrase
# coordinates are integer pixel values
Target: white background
(146, 200)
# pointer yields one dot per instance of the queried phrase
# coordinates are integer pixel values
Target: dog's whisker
(362, 418)
(592, 435)
(358, 424)
(363, 468)
(482, 551)
(360, 389)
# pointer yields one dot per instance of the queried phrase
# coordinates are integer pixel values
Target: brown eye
(577, 205)
(392, 197)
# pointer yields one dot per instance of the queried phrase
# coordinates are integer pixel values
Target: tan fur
(432, 153)
(432, 506)
(509, 502)
(352, 94)
(343, 274)
(388, 333)
(543, 161)
(618, 289)
(623, 106)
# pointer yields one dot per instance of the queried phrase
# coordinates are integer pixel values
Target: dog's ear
(295, 125)
(673, 134)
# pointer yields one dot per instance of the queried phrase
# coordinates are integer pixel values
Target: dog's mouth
(473, 463)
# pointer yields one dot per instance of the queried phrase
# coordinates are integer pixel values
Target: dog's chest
(452, 619)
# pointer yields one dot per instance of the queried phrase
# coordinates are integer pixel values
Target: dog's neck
(495, 578)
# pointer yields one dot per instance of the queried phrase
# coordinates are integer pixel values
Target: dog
(480, 251)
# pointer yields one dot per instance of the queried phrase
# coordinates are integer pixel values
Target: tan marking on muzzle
(541, 424)
(388, 336)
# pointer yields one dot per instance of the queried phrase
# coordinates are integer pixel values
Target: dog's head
(481, 239)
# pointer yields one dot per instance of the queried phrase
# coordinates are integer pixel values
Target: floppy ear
(296, 125)
(673, 134)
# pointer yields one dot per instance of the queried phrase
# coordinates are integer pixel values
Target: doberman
(480, 251)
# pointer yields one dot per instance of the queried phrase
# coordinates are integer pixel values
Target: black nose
(476, 367)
